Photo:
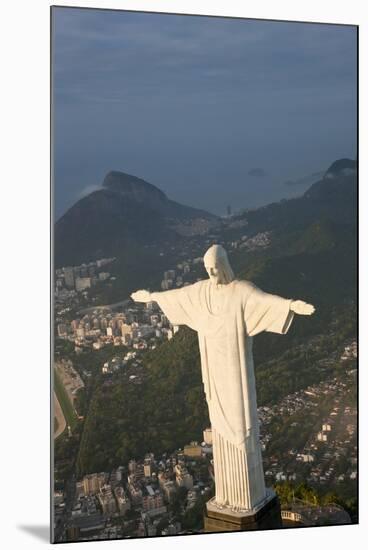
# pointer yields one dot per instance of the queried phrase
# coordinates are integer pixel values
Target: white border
(25, 268)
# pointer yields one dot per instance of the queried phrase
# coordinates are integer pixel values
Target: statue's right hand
(302, 308)
(141, 296)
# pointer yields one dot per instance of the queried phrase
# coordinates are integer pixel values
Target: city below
(165, 495)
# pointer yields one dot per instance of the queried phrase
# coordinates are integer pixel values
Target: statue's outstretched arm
(302, 308)
(142, 296)
(175, 304)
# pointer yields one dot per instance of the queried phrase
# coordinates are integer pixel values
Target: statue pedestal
(267, 515)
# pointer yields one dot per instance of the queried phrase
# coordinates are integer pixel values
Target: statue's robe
(225, 341)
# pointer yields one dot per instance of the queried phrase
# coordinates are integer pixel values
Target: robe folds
(225, 338)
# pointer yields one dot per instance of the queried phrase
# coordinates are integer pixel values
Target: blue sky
(213, 111)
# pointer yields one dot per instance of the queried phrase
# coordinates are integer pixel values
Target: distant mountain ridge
(129, 213)
(338, 183)
(343, 166)
(140, 191)
(126, 213)
(332, 198)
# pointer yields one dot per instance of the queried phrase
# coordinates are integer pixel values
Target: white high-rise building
(69, 277)
(81, 283)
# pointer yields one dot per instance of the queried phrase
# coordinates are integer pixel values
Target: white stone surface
(227, 314)
(212, 506)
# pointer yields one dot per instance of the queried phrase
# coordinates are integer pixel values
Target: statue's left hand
(141, 296)
(302, 308)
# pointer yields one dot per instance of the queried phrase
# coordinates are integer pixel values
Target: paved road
(60, 417)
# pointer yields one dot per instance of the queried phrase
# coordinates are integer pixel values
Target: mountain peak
(126, 213)
(131, 186)
(342, 166)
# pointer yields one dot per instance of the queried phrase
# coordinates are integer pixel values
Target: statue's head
(217, 265)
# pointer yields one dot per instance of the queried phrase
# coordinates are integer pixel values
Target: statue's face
(213, 272)
(217, 266)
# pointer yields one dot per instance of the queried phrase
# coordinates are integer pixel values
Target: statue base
(267, 515)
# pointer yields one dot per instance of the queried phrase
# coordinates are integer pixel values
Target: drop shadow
(41, 532)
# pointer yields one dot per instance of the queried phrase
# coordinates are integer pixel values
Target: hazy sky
(213, 111)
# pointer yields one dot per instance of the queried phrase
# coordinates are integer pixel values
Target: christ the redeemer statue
(227, 313)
